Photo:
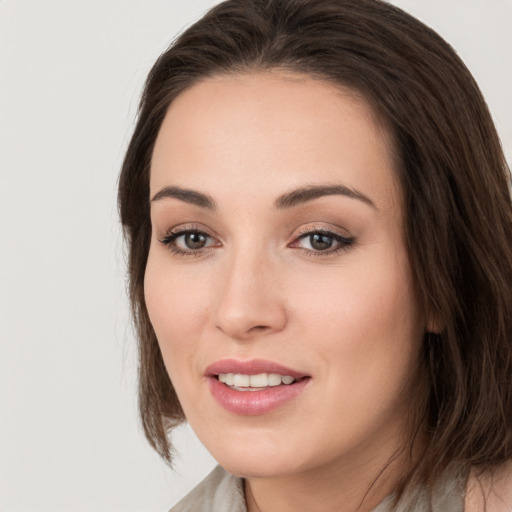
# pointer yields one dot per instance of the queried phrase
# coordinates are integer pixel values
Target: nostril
(259, 328)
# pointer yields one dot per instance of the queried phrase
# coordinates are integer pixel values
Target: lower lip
(253, 403)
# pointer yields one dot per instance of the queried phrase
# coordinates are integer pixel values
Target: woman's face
(277, 251)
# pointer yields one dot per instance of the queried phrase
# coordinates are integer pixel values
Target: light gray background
(70, 76)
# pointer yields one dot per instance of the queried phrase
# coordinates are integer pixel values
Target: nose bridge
(249, 303)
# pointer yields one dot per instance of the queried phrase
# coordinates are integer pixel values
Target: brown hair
(455, 182)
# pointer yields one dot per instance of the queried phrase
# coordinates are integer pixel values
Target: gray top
(218, 492)
(222, 492)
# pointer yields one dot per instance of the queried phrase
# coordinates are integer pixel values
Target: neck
(351, 485)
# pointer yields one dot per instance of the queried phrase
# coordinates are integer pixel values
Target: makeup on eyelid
(195, 241)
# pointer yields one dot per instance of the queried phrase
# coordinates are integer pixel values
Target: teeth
(274, 379)
(258, 381)
(261, 380)
(241, 381)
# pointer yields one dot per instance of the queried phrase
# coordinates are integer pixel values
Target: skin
(490, 491)
(348, 319)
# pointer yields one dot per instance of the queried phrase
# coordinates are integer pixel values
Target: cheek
(364, 318)
(366, 330)
(177, 308)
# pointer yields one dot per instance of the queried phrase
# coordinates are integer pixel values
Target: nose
(250, 304)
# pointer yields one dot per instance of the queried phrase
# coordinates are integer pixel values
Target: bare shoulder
(490, 492)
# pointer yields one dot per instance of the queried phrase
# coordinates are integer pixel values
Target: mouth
(245, 382)
(254, 387)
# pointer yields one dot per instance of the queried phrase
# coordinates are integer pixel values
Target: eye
(188, 242)
(320, 241)
(192, 240)
(323, 241)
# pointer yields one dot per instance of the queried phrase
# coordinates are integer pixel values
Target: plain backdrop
(71, 72)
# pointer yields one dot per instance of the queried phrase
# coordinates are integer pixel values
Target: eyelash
(169, 241)
(344, 243)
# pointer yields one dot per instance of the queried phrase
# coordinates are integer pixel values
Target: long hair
(455, 183)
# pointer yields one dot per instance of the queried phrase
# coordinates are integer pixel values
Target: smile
(243, 382)
(254, 387)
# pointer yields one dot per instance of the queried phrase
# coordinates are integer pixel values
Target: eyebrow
(188, 196)
(287, 200)
(309, 193)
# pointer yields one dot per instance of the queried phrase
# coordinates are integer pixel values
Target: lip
(253, 403)
(252, 367)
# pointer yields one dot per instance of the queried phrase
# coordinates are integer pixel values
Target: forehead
(269, 131)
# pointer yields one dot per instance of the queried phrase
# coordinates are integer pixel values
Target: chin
(255, 468)
(259, 460)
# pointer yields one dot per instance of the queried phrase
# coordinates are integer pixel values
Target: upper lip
(251, 367)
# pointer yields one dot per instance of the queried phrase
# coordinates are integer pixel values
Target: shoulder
(490, 491)
(218, 492)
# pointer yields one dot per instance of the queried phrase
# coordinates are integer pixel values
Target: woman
(319, 222)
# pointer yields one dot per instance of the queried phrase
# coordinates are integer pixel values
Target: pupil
(195, 240)
(320, 242)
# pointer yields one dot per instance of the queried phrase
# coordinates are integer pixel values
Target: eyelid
(186, 228)
(175, 232)
(345, 240)
(318, 227)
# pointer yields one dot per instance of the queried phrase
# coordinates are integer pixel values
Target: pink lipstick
(253, 387)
